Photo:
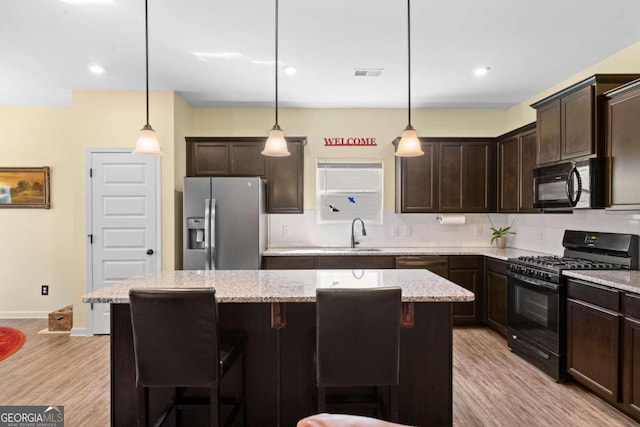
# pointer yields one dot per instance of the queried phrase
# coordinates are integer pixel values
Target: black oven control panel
(534, 272)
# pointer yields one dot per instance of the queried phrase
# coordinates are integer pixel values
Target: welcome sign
(349, 142)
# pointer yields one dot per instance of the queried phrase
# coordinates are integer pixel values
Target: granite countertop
(242, 286)
(502, 254)
(625, 280)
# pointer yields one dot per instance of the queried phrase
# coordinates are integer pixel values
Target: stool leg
(143, 407)
(393, 403)
(322, 396)
(244, 399)
(214, 406)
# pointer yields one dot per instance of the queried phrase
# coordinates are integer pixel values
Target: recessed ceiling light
(290, 70)
(97, 69)
(481, 71)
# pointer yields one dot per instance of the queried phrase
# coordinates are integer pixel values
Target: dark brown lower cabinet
(466, 271)
(355, 262)
(288, 262)
(593, 337)
(496, 295)
(631, 356)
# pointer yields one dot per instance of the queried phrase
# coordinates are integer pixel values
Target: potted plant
(499, 235)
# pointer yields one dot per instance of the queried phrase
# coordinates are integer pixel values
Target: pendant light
(147, 143)
(409, 145)
(276, 145)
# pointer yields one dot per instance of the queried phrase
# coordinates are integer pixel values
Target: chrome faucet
(353, 236)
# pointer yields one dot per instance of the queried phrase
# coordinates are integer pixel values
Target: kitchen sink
(365, 249)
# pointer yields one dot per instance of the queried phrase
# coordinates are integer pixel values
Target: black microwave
(571, 185)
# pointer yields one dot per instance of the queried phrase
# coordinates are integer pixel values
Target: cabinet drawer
(496, 266)
(457, 262)
(355, 261)
(594, 294)
(288, 263)
(632, 306)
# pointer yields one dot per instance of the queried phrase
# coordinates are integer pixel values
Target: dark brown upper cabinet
(516, 162)
(454, 175)
(241, 156)
(568, 124)
(622, 116)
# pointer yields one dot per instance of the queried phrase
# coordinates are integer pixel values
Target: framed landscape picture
(24, 187)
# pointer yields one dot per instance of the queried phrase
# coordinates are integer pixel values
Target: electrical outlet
(540, 235)
(44, 290)
(407, 231)
(285, 230)
(395, 231)
(478, 230)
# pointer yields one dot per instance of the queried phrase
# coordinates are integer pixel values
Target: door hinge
(90, 236)
(90, 172)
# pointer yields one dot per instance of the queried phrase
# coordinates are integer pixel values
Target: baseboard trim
(24, 315)
(80, 332)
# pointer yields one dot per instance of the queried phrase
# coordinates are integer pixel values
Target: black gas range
(537, 296)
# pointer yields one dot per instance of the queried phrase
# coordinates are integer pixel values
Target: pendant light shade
(147, 143)
(276, 145)
(409, 145)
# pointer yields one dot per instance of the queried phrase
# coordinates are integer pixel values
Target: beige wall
(316, 124)
(48, 246)
(625, 61)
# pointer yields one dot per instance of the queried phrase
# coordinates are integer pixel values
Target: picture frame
(24, 187)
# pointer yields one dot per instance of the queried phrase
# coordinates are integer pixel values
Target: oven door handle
(534, 283)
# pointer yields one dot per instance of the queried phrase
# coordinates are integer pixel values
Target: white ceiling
(47, 45)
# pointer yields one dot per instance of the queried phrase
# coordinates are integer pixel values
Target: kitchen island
(276, 309)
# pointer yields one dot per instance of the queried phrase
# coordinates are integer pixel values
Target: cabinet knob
(149, 251)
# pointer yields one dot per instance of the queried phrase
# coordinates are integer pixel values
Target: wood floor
(492, 386)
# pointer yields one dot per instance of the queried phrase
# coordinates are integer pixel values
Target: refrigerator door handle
(207, 225)
(212, 252)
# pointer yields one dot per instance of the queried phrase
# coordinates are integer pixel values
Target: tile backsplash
(535, 232)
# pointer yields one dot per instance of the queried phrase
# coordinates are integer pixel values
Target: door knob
(149, 251)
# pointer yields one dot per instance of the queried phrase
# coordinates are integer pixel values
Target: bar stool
(358, 342)
(341, 420)
(177, 343)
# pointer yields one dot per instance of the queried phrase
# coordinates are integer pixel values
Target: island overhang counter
(276, 308)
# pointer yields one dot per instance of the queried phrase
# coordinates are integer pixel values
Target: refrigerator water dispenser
(195, 227)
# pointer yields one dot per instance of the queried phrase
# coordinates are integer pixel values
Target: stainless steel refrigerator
(225, 223)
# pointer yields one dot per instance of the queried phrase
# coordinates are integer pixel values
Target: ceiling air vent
(367, 72)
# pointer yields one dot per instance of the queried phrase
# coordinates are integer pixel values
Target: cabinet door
(451, 177)
(548, 122)
(509, 162)
(593, 348)
(479, 194)
(631, 367)
(623, 140)
(285, 181)
(496, 294)
(465, 271)
(417, 191)
(246, 159)
(527, 163)
(577, 114)
(207, 159)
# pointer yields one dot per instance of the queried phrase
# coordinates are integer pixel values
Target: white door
(123, 222)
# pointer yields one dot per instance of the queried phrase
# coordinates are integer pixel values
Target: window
(346, 189)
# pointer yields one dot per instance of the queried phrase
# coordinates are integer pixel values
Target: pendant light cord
(276, 63)
(409, 59)
(146, 51)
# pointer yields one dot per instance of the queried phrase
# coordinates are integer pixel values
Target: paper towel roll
(447, 219)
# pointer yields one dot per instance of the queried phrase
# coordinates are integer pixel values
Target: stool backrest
(358, 336)
(175, 337)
